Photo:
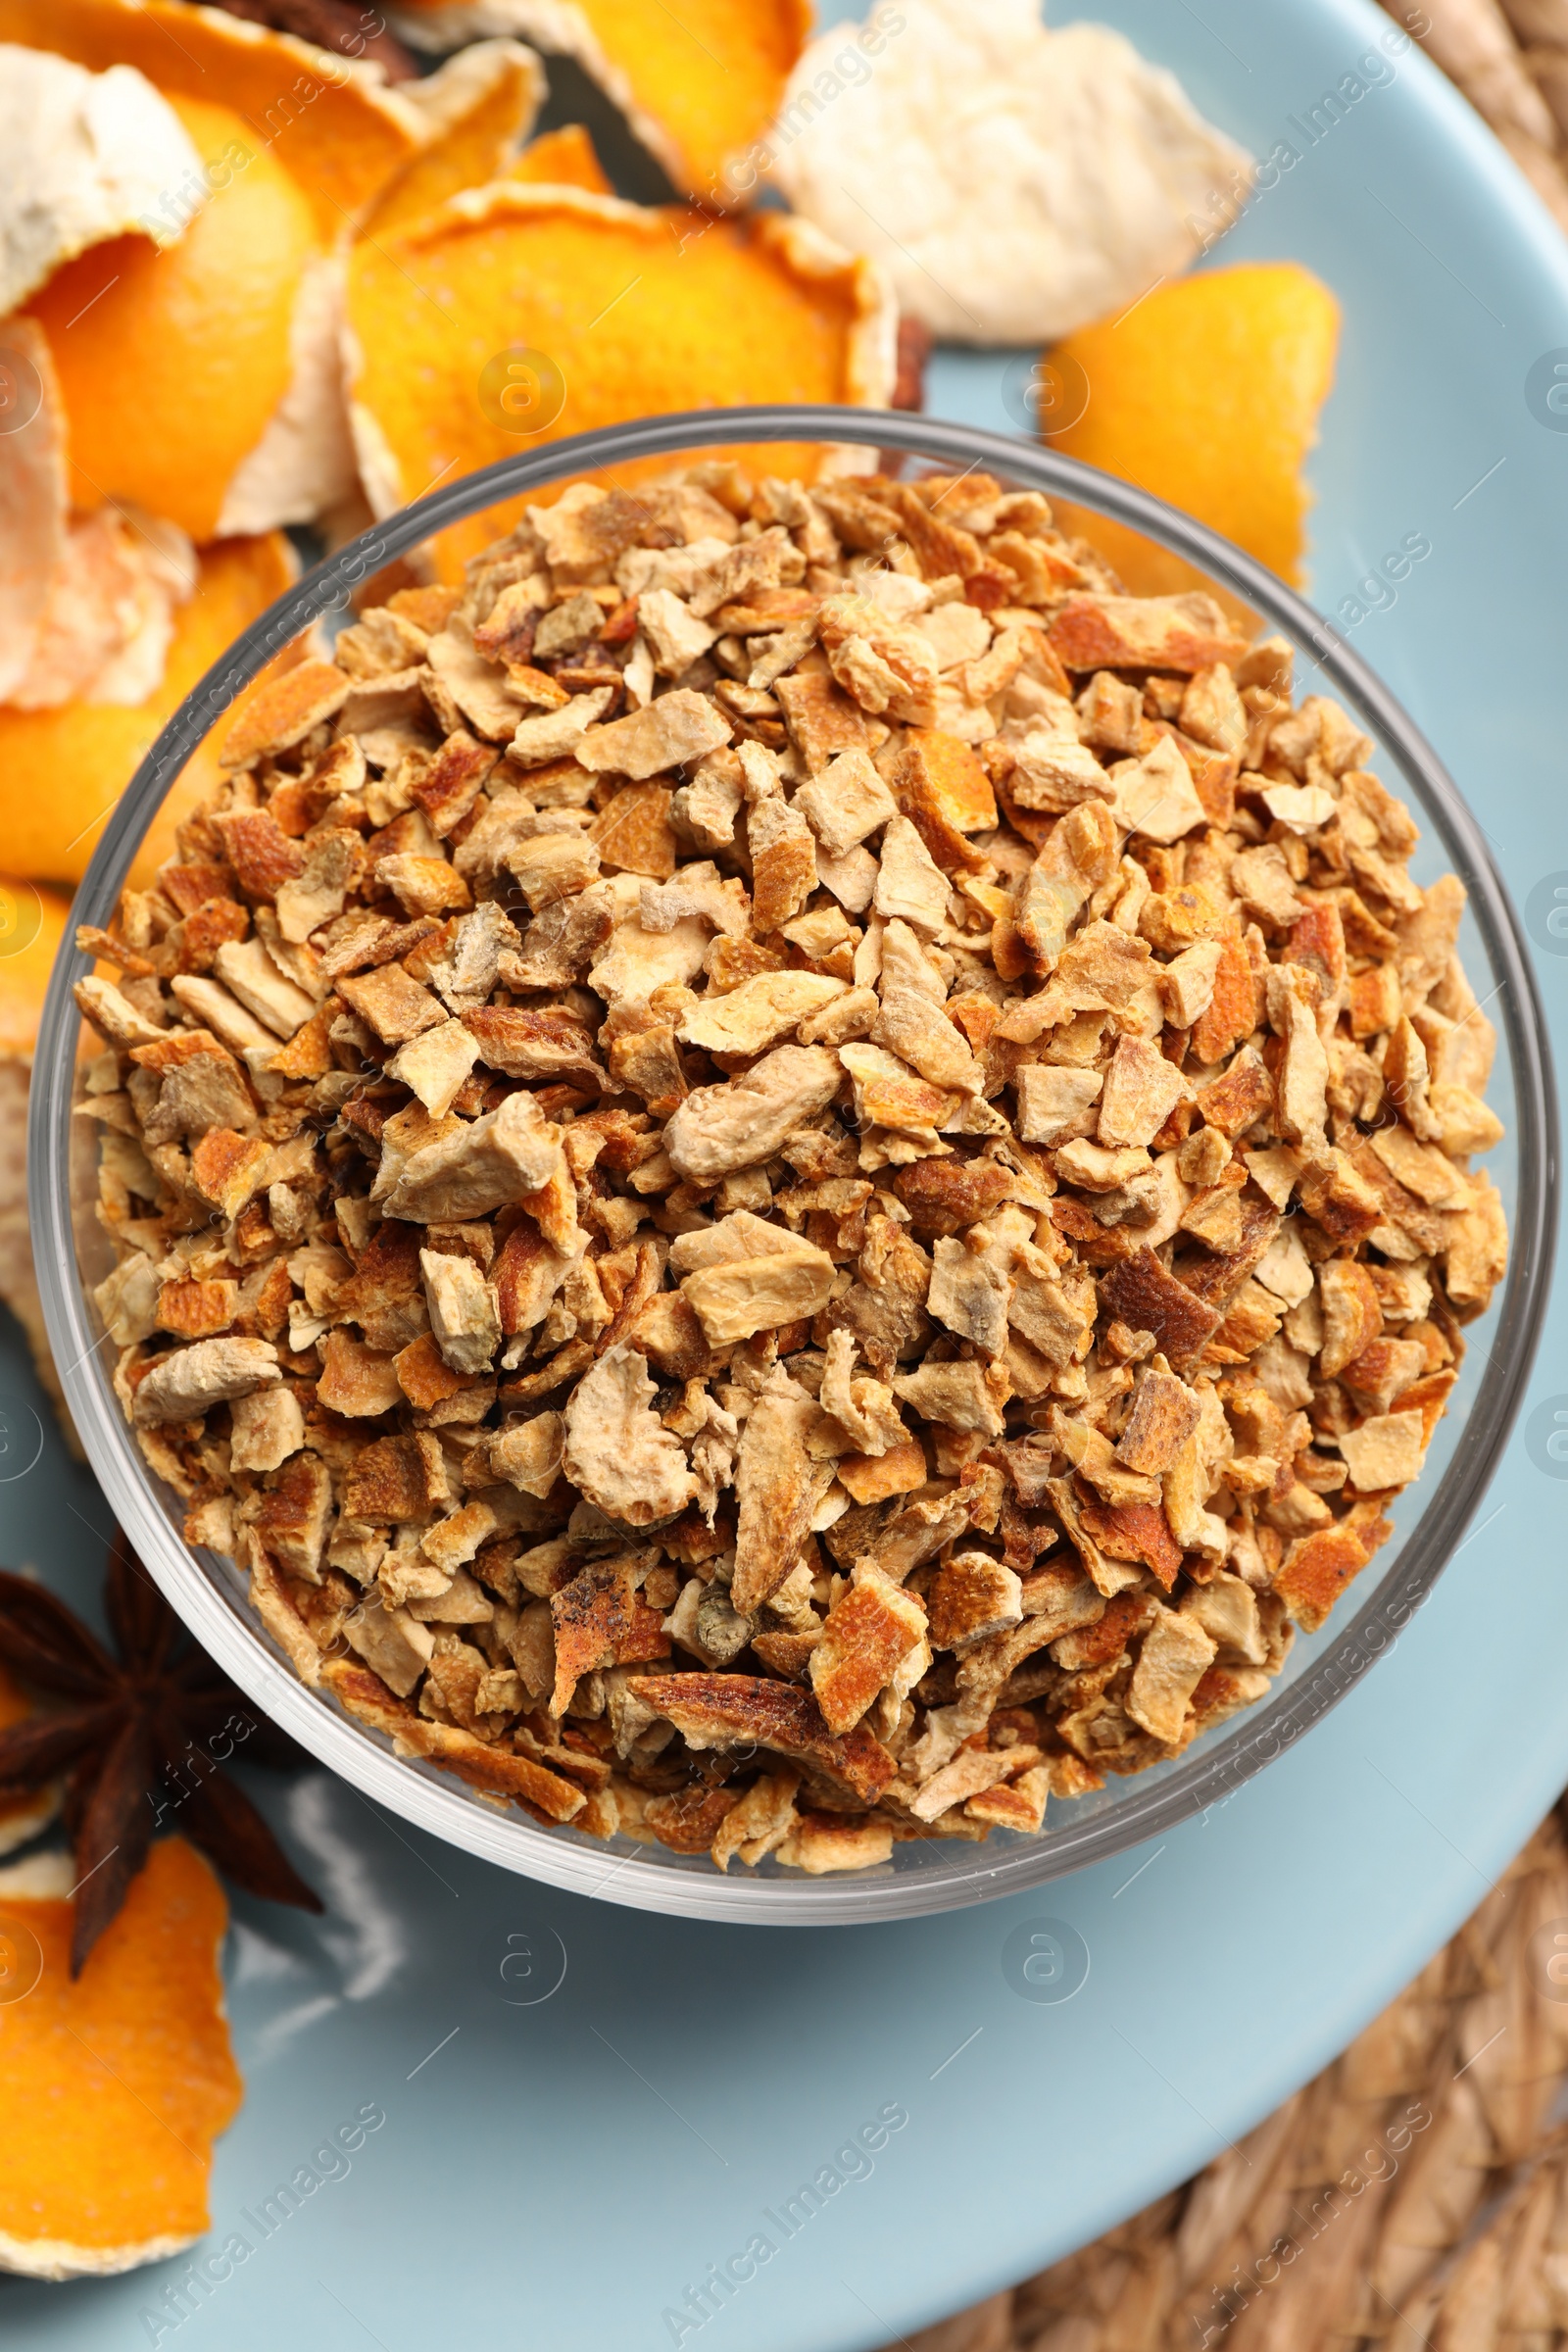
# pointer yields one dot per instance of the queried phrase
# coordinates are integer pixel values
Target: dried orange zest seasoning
(114, 2088)
(849, 1161)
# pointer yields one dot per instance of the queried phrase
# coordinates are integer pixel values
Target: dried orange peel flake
(1207, 393)
(641, 310)
(562, 159)
(698, 84)
(331, 122)
(114, 2088)
(61, 771)
(483, 105)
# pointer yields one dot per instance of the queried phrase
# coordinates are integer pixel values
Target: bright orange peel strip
(171, 363)
(114, 2088)
(562, 159)
(330, 121)
(61, 771)
(1207, 392)
(638, 311)
(700, 84)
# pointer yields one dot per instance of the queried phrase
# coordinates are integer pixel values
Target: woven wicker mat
(1414, 2196)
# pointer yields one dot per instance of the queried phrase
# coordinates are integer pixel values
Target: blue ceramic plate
(610, 2129)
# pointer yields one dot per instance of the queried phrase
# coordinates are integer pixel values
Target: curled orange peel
(114, 2087)
(480, 107)
(630, 311)
(699, 86)
(1207, 392)
(61, 771)
(331, 122)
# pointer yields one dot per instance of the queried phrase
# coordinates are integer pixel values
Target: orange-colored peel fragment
(1207, 392)
(172, 364)
(114, 2086)
(638, 311)
(61, 771)
(329, 120)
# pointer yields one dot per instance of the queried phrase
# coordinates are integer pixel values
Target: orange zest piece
(330, 121)
(114, 2088)
(562, 159)
(698, 84)
(1207, 393)
(172, 364)
(61, 771)
(635, 311)
(494, 90)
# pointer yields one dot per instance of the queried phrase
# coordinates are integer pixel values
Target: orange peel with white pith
(481, 106)
(172, 364)
(61, 771)
(699, 86)
(331, 122)
(114, 2087)
(639, 312)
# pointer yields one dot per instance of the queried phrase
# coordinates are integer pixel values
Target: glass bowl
(209, 1592)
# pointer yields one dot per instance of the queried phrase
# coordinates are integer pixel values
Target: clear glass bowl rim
(965, 1874)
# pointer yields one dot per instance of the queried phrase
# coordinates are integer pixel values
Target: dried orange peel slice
(83, 157)
(61, 771)
(480, 107)
(1207, 392)
(698, 84)
(114, 2088)
(201, 330)
(636, 311)
(562, 159)
(331, 122)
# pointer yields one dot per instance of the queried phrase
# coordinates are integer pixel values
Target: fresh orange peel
(637, 312)
(698, 84)
(114, 2088)
(1207, 392)
(482, 107)
(62, 770)
(331, 122)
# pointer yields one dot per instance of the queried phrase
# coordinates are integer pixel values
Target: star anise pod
(141, 1739)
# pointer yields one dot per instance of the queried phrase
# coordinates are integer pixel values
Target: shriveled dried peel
(61, 771)
(114, 2088)
(562, 159)
(696, 84)
(1207, 392)
(641, 312)
(483, 105)
(332, 122)
(172, 364)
